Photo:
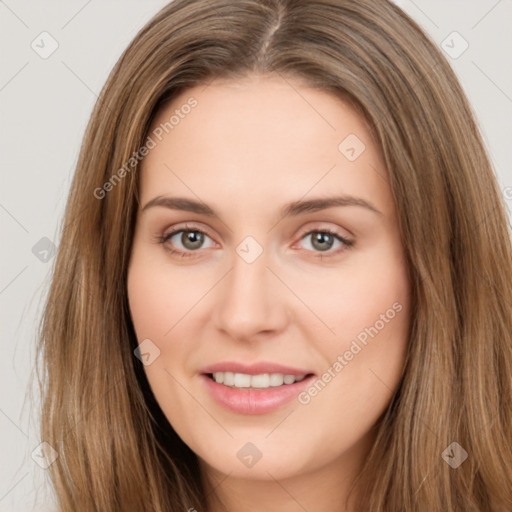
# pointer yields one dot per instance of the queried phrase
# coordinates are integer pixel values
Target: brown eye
(192, 239)
(185, 241)
(324, 240)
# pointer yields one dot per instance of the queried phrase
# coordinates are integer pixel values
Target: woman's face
(267, 245)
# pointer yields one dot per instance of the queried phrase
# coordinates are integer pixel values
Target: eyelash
(347, 244)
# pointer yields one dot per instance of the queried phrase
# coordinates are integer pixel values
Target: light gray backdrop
(55, 59)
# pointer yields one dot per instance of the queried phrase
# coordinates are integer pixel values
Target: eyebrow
(290, 209)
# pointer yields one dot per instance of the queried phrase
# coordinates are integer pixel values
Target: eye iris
(192, 239)
(322, 238)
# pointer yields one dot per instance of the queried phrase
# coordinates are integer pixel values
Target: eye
(187, 240)
(323, 240)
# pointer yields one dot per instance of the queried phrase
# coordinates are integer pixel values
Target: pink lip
(254, 401)
(254, 369)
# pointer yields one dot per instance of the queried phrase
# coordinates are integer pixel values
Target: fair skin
(248, 148)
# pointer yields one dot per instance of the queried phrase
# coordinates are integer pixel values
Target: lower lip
(254, 401)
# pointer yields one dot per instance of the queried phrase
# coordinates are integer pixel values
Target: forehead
(261, 135)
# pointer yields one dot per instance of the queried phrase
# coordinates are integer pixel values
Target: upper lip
(254, 369)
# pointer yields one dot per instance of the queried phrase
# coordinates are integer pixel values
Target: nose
(251, 302)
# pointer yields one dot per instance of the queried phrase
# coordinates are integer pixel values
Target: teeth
(276, 379)
(261, 381)
(289, 379)
(242, 380)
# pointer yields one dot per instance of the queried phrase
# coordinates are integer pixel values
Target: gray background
(44, 107)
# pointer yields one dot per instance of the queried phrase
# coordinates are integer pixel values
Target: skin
(249, 147)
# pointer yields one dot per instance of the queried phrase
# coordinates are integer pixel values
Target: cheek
(147, 299)
(158, 305)
(157, 298)
(346, 302)
(165, 305)
(369, 311)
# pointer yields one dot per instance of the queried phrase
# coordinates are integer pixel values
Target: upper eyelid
(178, 229)
(317, 229)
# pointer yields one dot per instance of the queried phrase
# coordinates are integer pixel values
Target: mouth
(258, 393)
(245, 381)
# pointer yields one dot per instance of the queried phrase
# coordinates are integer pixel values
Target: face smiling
(264, 285)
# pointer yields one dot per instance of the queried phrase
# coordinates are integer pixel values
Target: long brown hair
(116, 449)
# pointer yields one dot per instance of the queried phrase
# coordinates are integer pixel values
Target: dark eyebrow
(314, 205)
(291, 209)
(180, 203)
